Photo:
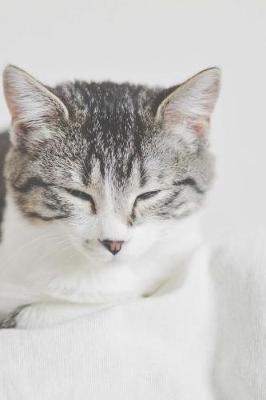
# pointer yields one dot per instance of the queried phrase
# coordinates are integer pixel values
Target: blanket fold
(154, 348)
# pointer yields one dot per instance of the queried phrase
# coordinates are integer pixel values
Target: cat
(102, 191)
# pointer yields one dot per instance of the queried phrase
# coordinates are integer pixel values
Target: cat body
(103, 187)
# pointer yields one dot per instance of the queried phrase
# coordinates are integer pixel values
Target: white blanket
(147, 350)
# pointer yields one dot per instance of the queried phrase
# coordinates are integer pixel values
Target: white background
(161, 42)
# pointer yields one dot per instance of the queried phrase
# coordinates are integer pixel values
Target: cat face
(109, 163)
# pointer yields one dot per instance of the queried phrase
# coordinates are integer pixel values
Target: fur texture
(97, 162)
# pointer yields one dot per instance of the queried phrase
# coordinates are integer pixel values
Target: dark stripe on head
(4, 146)
(30, 184)
(171, 199)
(53, 201)
(45, 218)
(190, 182)
(51, 206)
(143, 174)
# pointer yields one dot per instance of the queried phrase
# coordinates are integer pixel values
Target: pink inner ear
(200, 127)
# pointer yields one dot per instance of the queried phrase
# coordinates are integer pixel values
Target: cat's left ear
(187, 110)
(34, 108)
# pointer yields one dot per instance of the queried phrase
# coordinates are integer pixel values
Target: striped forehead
(116, 175)
(109, 126)
(113, 153)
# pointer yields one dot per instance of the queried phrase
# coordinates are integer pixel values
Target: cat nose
(114, 246)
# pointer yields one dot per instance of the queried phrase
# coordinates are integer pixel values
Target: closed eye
(83, 196)
(146, 195)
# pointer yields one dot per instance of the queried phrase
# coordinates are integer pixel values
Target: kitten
(103, 181)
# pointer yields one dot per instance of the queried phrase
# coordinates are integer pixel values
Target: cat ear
(187, 110)
(33, 107)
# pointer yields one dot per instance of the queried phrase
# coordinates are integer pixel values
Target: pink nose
(114, 246)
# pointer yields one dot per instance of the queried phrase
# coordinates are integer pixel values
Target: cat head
(107, 160)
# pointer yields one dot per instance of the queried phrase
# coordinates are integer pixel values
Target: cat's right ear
(33, 107)
(185, 113)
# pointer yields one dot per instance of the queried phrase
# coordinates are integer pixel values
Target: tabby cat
(101, 191)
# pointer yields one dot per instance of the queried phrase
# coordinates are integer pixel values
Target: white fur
(152, 348)
(202, 336)
(41, 262)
